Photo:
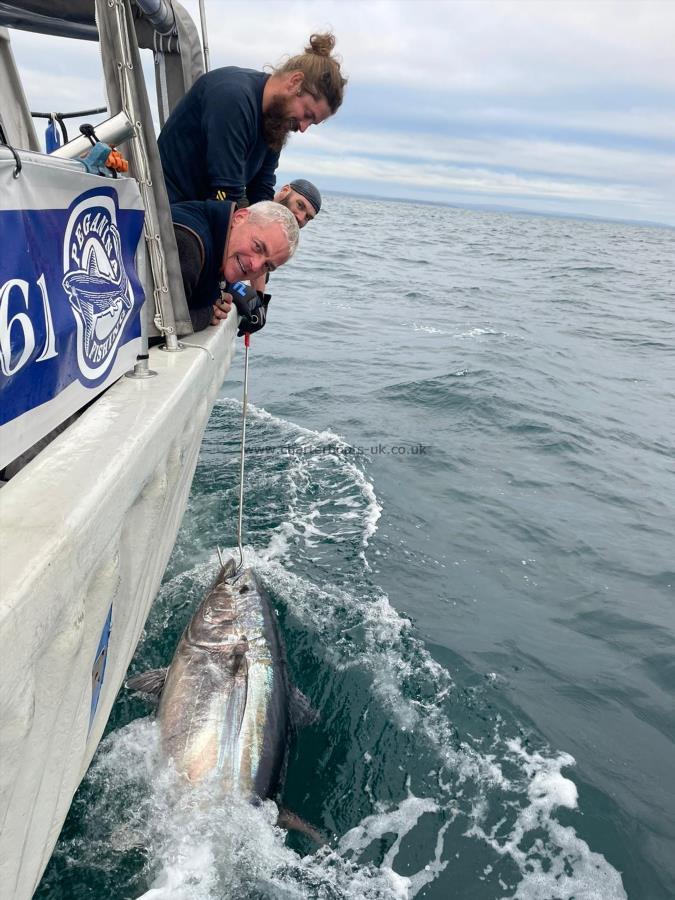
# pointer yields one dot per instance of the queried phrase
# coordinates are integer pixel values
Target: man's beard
(275, 124)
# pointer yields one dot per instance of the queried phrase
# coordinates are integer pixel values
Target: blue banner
(70, 297)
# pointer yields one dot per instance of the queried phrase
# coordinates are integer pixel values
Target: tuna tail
(290, 821)
(149, 683)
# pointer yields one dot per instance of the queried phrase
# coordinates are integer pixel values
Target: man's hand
(257, 315)
(251, 306)
(221, 308)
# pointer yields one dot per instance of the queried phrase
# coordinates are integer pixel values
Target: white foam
(280, 542)
(389, 650)
(202, 845)
(429, 329)
(399, 821)
(373, 510)
(260, 414)
(471, 333)
(360, 629)
(563, 866)
(201, 851)
(479, 332)
(393, 656)
(323, 458)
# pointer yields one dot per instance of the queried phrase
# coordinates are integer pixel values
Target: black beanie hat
(308, 191)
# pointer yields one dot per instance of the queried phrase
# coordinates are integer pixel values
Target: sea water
(460, 493)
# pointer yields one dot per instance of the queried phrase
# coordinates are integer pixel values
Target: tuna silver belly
(223, 709)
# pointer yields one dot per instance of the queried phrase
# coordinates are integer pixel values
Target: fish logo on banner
(100, 293)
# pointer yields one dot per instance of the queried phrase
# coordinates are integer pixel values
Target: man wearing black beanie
(302, 198)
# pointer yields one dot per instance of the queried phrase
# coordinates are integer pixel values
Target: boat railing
(58, 118)
(122, 30)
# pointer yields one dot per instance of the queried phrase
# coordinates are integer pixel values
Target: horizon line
(496, 207)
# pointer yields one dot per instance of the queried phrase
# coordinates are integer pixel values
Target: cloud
(468, 46)
(632, 121)
(565, 103)
(475, 180)
(580, 161)
(58, 74)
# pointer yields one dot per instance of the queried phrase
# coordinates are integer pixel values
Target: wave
(421, 774)
(471, 333)
(498, 793)
(326, 496)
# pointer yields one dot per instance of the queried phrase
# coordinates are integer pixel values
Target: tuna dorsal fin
(289, 820)
(150, 682)
(301, 710)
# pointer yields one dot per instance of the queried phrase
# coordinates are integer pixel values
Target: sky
(559, 107)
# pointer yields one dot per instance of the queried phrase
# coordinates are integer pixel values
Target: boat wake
(419, 772)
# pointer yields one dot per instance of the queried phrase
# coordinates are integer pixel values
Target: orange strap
(117, 162)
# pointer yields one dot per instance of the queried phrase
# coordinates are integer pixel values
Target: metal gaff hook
(247, 341)
(237, 571)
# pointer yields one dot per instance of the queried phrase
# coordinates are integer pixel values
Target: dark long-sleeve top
(202, 229)
(212, 145)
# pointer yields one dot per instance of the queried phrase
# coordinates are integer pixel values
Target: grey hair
(267, 212)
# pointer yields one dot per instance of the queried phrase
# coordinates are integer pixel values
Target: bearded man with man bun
(223, 139)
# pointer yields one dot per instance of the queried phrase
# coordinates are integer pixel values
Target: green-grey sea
(460, 494)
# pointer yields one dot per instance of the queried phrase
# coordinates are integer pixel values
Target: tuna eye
(244, 589)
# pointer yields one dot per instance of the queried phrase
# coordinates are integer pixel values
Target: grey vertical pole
(205, 36)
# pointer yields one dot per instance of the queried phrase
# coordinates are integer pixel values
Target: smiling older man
(219, 245)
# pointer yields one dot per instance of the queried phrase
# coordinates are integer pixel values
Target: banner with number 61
(70, 297)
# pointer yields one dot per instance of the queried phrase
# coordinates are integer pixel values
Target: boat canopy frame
(122, 31)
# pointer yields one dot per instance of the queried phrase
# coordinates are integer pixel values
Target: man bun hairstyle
(323, 77)
(267, 212)
(321, 44)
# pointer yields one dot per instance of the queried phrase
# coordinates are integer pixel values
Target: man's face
(301, 208)
(291, 111)
(253, 249)
(303, 111)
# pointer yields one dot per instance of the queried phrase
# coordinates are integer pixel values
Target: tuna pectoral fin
(150, 682)
(290, 821)
(301, 710)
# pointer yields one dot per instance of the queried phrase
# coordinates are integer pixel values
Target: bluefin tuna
(226, 705)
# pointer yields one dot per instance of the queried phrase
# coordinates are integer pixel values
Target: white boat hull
(89, 524)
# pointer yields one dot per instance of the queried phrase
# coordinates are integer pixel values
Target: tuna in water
(226, 705)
